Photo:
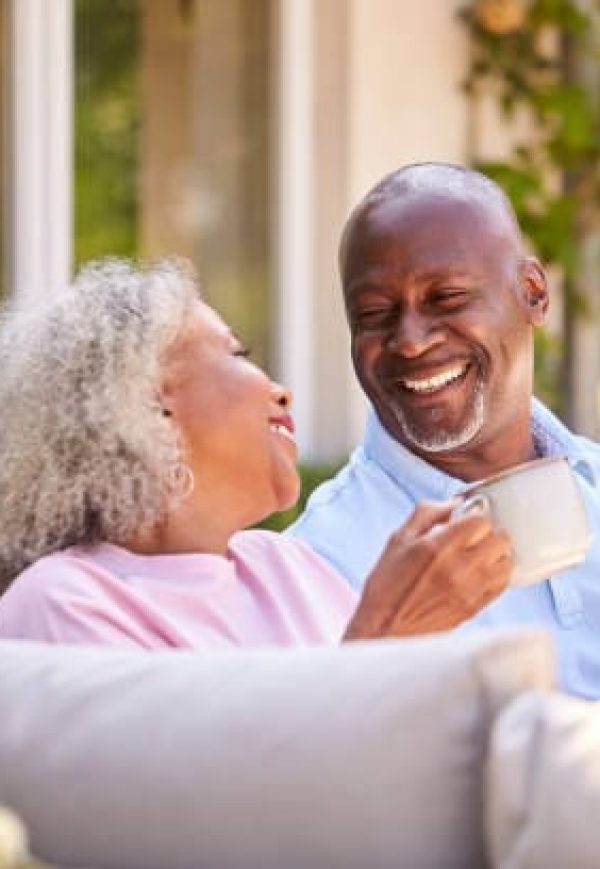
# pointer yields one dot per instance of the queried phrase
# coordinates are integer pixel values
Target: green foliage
(548, 357)
(106, 124)
(553, 179)
(311, 476)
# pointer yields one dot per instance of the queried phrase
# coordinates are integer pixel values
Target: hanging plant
(500, 16)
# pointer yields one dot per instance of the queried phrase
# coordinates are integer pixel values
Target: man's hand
(432, 576)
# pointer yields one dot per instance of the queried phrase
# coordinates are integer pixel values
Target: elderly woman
(138, 441)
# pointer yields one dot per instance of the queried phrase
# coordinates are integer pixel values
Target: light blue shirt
(349, 519)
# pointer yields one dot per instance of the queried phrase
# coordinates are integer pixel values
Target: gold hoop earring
(182, 481)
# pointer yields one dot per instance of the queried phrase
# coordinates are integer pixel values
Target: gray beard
(445, 441)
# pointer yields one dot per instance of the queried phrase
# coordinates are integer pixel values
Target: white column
(293, 213)
(40, 144)
(405, 64)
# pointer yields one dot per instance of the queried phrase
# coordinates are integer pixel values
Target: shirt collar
(404, 467)
(409, 471)
(555, 439)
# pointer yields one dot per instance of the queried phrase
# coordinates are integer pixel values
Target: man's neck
(478, 462)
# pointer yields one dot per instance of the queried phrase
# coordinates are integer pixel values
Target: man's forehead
(431, 238)
(425, 221)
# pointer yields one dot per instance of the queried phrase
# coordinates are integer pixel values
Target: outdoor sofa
(450, 752)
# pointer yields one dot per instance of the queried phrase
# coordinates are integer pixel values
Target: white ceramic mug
(541, 507)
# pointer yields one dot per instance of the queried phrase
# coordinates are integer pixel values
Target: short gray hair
(86, 453)
(449, 179)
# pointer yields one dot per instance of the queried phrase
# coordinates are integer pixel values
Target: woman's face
(237, 431)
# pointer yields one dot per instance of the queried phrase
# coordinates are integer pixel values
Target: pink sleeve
(60, 600)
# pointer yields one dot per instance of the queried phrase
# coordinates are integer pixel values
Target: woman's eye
(245, 352)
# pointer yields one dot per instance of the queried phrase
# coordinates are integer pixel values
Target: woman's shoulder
(258, 543)
(71, 597)
(65, 569)
(286, 566)
(259, 539)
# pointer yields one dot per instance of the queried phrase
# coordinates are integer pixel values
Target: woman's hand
(435, 572)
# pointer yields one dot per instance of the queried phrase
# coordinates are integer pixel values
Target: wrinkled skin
(438, 286)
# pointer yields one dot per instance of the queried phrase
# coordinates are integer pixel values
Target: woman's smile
(284, 426)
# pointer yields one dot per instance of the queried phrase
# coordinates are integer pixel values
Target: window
(171, 141)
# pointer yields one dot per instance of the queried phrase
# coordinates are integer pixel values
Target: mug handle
(478, 504)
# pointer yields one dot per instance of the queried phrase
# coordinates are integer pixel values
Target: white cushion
(368, 755)
(543, 784)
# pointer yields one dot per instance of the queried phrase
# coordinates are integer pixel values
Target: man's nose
(416, 333)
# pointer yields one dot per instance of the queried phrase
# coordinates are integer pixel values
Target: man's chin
(441, 437)
(439, 441)
(443, 427)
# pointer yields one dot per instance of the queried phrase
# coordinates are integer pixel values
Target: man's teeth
(282, 430)
(430, 384)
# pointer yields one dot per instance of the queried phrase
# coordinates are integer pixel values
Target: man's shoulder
(360, 489)
(582, 451)
(559, 435)
(588, 458)
(588, 446)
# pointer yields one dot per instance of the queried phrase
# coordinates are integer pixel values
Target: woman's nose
(281, 396)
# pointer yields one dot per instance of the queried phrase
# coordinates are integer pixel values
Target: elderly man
(442, 300)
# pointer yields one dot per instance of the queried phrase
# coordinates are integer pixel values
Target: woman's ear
(164, 398)
(534, 287)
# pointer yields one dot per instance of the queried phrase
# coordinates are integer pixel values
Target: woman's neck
(185, 531)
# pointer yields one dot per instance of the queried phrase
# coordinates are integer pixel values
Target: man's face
(441, 308)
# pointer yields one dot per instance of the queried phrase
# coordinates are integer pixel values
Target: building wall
(386, 91)
(203, 156)
(406, 64)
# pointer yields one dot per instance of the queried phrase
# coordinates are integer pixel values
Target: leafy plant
(106, 125)
(540, 57)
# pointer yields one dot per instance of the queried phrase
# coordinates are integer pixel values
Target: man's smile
(439, 384)
(427, 384)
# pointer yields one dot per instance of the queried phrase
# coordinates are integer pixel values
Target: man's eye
(245, 352)
(373, 318)
(450, 299)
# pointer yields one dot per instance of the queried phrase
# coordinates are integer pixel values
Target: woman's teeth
(282, 430)
(437, 381)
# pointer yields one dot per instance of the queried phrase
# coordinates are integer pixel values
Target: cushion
(368, 754)
(543, 784)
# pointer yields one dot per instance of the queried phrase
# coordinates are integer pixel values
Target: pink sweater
(270, 590)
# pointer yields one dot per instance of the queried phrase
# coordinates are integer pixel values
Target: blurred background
(239, 133)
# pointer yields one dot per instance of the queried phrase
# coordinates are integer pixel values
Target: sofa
(450, 751)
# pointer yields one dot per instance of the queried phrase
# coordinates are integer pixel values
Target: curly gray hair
(86, 453)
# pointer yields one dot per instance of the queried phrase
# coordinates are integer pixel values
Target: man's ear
(534, 289)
